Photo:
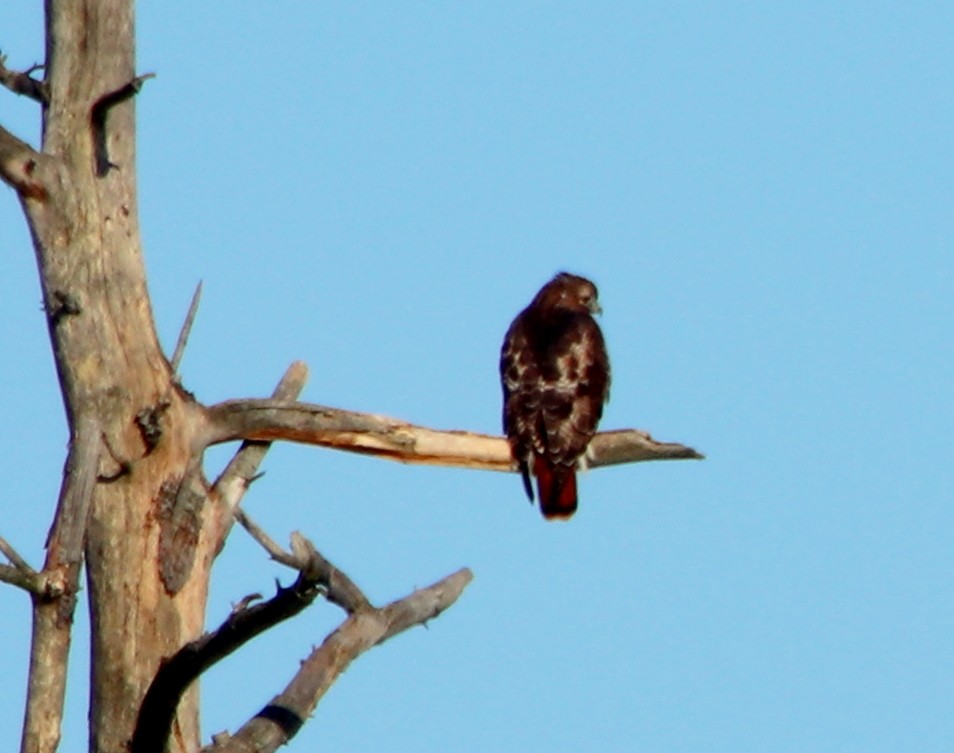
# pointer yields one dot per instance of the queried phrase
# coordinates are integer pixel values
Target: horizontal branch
(281, 719)
(29, 580)
(398, 440)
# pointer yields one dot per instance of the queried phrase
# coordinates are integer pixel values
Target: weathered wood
(84, 223)
(365, 628)
(22, 82)
(134, 503)
(394, 439)
(232, 483)
(53, 608)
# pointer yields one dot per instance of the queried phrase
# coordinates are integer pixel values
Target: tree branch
(265, 541)
(186, 329)
(159, 705)
(29, 580)
(13, 556)
(339, 588)
(19, 573)
(284, 715)
(21, 82)
(53, 612)
(65, 546)
(100, 111)
(398, 440)
(232, 483)
(317, 575)
(18, 166)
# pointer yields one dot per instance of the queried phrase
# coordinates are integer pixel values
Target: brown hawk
(555, 375)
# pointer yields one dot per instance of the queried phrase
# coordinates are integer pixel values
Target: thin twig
(233, 482)
(21, 82)
(340, 589)
(19, 573)
(11, 554)
(266, 542)
(186, 329)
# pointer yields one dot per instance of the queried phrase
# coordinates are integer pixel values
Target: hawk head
(569, 293)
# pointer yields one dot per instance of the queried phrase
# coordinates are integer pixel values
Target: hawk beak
(595, 307)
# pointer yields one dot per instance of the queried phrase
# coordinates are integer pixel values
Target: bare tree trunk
(114, 378)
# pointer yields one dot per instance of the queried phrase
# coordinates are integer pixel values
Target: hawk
(555, 376)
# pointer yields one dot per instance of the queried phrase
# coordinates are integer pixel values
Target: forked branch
(159, 705)
(19, 573)
(365, 627)
(22, 82)
(231, 485)
(284, 715)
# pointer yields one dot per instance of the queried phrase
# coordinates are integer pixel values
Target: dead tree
(134, 505)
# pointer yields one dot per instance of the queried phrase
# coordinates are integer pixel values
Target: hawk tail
(556, 487)
(527, 484)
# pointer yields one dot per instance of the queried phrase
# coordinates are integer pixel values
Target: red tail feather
(556, 487)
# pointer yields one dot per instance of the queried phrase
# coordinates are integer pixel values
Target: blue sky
(763, 193)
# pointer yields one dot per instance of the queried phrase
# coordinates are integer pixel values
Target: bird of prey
(555, 376)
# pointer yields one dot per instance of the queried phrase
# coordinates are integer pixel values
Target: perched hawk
(555, 376)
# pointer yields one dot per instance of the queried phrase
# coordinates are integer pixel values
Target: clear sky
(764, 193)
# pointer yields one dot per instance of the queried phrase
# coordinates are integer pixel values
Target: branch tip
(186, 329)
(23, 83)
